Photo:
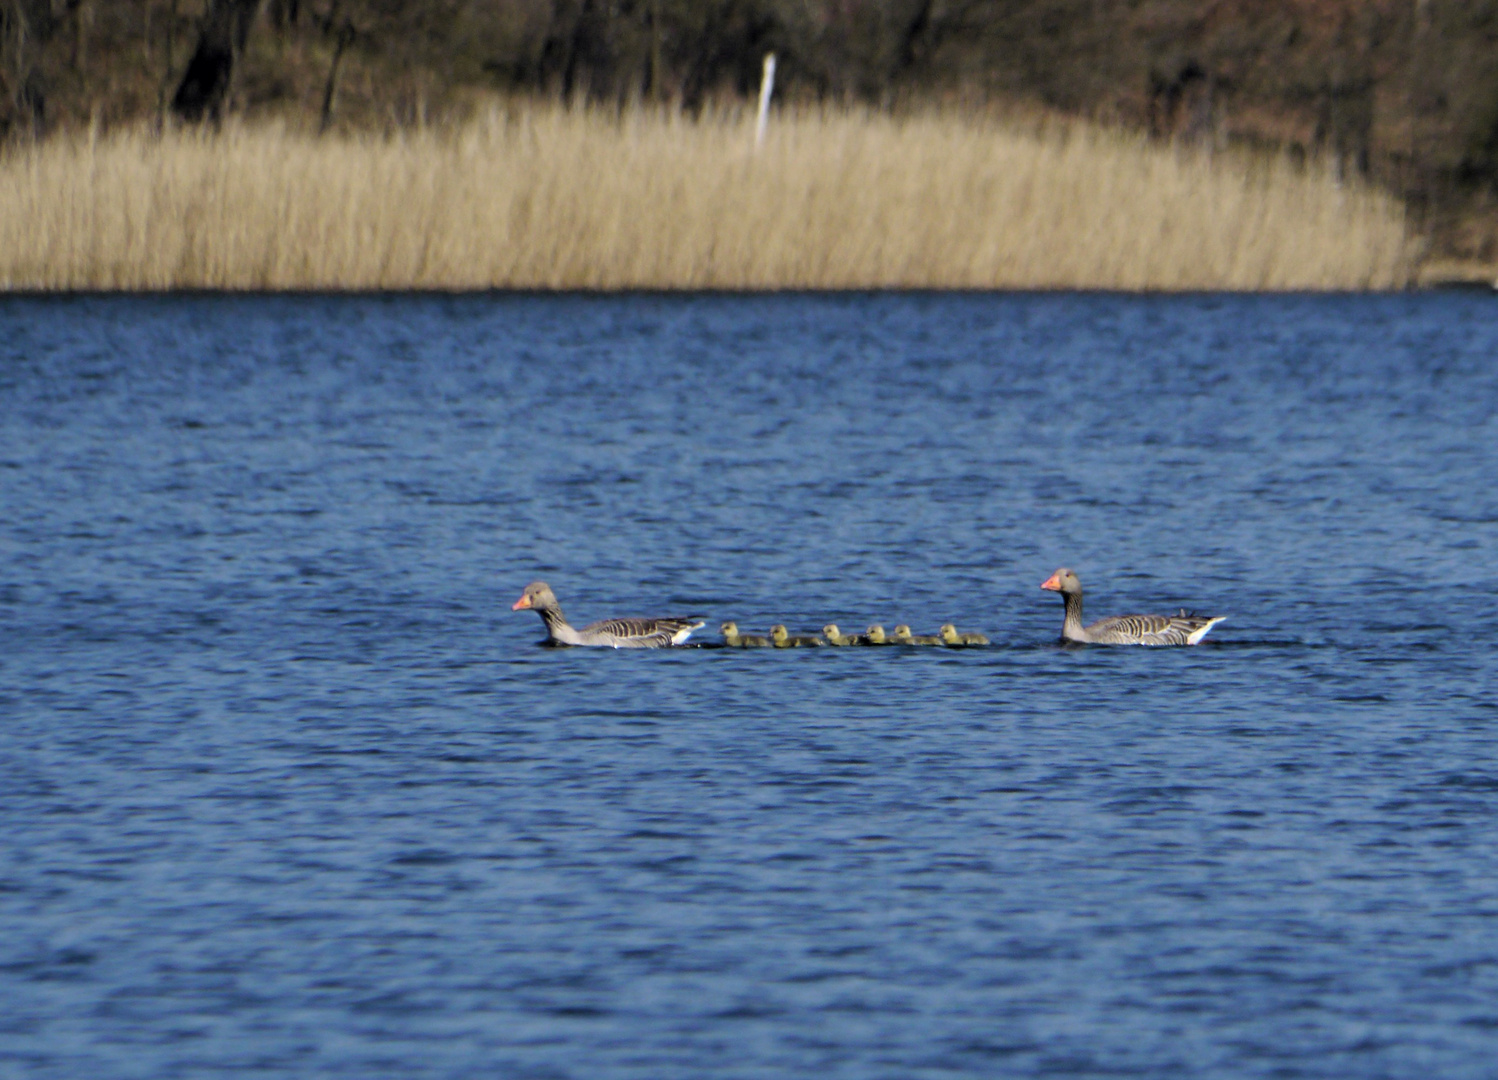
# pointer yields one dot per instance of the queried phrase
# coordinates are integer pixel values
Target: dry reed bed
(570, 199)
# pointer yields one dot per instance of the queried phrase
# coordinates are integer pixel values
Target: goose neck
(1071, 626)
(554, 619)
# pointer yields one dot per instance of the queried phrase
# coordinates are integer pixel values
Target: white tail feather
(1196, 635)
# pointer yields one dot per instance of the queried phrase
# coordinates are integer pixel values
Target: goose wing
(1181, 629)
(638, 633)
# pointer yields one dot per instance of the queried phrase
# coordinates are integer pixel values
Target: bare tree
(210, 73)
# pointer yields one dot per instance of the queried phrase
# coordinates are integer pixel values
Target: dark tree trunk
(284, 14)
(330, 91)
(25, 27)
(83, 22)
(582, 31)
(910, 52)
(210, 73)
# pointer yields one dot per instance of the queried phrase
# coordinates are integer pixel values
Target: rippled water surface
(287, 789)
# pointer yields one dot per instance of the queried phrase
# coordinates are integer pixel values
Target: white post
(766, 88)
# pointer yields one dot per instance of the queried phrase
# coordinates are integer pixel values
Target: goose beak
(1053, 582)
(523, 602)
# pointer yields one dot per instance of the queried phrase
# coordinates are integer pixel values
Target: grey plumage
(628, 633)
(1181, 629)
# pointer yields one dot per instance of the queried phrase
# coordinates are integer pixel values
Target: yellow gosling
(735, 640)
(951, 636)
(903, 636)
(783, 640)
(835, 636)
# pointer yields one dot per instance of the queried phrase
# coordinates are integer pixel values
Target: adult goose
(950, 635)
(1182, 629)
(735, 640)
(610, 633)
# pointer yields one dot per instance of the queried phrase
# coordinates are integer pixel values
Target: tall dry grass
(554, 198)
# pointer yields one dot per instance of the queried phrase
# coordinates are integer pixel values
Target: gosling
(835, 636)
(783, 640)
(735, 640)
(950, 636)
(875, 636)
(903, 636)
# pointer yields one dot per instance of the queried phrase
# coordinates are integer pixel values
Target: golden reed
(554, 198)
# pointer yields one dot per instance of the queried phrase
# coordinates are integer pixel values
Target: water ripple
(289, 789)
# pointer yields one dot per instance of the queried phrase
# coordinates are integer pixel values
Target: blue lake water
(286, 789)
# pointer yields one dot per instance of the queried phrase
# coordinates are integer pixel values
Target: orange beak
(1053, 582)
(523, 602)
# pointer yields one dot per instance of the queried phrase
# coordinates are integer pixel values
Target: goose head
(537, 595)
(1063, 581)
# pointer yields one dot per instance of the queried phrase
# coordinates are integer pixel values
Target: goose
(903, 636)
(835, 636)
(1182, 629)
(609, 633)
(783, 640)
(735, 640)
(875, 636)
(950, 636)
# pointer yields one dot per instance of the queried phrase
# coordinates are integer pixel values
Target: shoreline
(1472, 284)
